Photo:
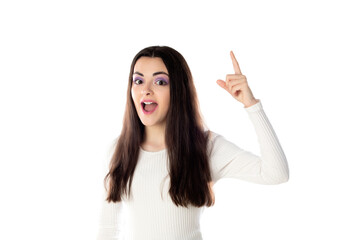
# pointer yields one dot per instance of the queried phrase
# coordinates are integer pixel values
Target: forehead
(150, 65)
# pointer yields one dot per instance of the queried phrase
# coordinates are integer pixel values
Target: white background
(64, 67)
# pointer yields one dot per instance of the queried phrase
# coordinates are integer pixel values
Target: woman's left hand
(237, 85)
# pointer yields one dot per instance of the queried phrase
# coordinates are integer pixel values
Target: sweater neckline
(156, 152)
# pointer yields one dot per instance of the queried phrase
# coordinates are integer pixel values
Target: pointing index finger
(235, 63)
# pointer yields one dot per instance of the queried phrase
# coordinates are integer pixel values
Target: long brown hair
(185, 138)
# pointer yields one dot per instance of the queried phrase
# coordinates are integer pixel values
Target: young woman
(165, 162)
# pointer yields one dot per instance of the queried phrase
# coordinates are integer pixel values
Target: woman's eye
(160, 82)
(137, 81)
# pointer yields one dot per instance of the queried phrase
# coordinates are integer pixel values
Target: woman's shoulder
(214, 138)
(213, 135)
(217, 141)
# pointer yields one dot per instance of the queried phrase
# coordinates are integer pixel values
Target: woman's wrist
(251, 103)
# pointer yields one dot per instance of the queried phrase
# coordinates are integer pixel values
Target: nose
(147, 90)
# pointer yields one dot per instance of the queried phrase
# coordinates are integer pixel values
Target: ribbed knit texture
(150, 213)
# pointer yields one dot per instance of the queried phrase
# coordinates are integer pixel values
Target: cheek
(134, 92)
(167, 100)
(134, 96)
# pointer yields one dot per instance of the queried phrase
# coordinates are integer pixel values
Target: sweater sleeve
(230, 161)
(111, 221)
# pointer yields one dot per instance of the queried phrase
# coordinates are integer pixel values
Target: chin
(149, 124)
(150, 121)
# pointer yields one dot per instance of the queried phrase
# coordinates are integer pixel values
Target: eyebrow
(154, 74)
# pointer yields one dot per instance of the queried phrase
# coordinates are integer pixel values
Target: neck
(154, 138)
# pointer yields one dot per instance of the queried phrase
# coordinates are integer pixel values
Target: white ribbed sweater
(150, 212)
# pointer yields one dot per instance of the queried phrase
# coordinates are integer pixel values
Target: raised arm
(229, 160)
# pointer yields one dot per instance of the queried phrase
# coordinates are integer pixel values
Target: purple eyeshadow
(137, 78)
(163, 79)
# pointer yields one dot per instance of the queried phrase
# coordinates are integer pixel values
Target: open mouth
(148, 107)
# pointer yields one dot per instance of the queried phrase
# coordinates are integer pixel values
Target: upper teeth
(148, 102)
